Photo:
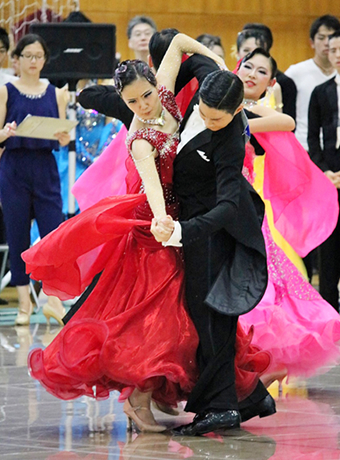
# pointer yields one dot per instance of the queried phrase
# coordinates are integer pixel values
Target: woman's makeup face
(214, 119)
(256, 76)
(142, 98)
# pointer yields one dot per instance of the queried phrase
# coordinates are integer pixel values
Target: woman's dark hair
(159, 44)
(329, 21)
(129, 71)
(222, 90)
(258, 35)
(264, 53)
(28, 40)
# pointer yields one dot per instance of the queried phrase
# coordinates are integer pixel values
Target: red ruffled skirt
(133, 331)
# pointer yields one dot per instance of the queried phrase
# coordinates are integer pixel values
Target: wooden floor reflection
(35, 425)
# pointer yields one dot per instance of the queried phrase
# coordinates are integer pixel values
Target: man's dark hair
(4, 38)
(140, 20)
(222, 90)
(330, 22)
(159, 43)
(264, 30)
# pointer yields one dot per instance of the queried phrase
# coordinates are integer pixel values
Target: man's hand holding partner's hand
(162, 229)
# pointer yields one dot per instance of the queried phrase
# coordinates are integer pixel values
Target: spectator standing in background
(29, 180)
(213, 42)
(312, 72)
(307, 75)
(5, 75)
(139, 31)
(324, 115)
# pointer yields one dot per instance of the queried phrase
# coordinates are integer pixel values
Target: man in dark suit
(224, 254)
(324, 114)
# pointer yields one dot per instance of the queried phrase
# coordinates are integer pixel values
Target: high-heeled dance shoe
(279, 375)
(165, 409)
(50, 312)
(130, 412)
(23, 317)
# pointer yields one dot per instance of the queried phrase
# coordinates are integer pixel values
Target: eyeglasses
(30, 57)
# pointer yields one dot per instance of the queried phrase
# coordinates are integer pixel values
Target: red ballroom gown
(133, 331)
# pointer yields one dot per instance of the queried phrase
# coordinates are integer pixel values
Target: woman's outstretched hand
(162, 229)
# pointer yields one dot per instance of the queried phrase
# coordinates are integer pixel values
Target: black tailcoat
(323, 114)
(224, 255)
(214, 195)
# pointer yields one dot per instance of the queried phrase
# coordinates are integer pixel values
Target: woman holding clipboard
(29, 180)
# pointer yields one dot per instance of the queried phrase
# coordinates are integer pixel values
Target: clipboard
(44, 127)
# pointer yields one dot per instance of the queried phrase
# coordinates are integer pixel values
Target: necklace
(323, 69)
(249, 103)
(160, 121)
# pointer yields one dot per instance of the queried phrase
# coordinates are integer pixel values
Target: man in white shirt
(312, 72)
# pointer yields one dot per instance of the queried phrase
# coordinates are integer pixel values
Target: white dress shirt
(195, 125)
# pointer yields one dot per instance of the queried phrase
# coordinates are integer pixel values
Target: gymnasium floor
(35, 425)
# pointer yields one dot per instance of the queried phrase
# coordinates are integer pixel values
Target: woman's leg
(25, 306)
(138, 409)
(16, 206)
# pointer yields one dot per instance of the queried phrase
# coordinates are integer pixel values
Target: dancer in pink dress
(299, 328)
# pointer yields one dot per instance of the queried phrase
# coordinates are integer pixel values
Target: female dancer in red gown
(133, 333)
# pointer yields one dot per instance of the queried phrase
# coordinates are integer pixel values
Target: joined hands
(162, 229)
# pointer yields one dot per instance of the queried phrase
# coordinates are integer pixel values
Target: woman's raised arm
(169, 68)
(270, 120)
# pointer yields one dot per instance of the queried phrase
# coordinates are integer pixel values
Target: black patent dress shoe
(263, 408)
(209, 421)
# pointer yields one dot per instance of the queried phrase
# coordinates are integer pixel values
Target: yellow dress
(259, 166)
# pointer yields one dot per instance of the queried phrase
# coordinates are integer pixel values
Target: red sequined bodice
(166, 146)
